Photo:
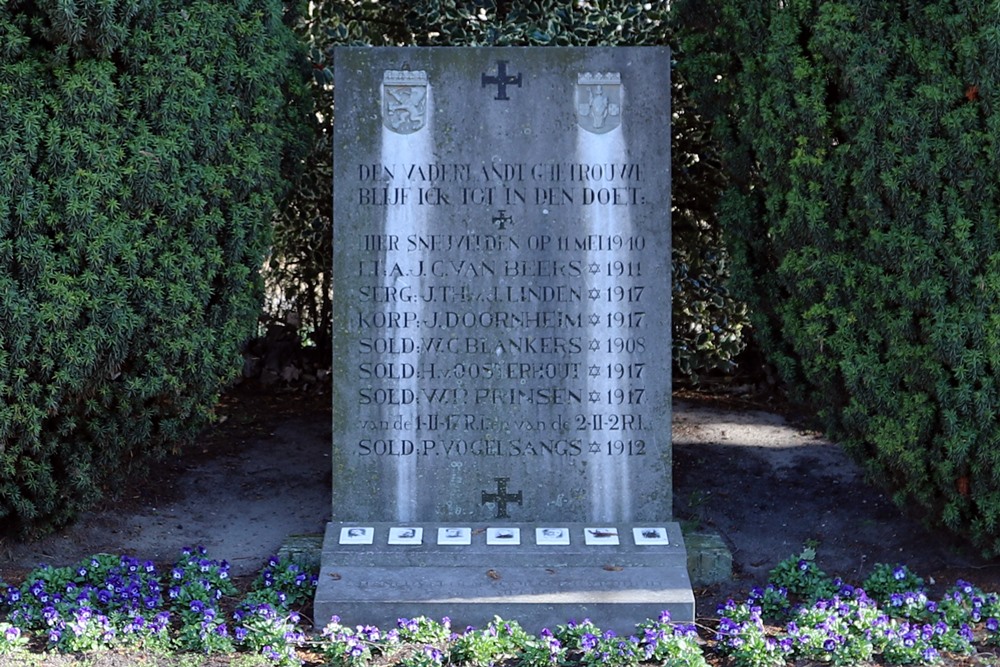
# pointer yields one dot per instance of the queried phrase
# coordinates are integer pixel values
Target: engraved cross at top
(501, 80)
(501, 497)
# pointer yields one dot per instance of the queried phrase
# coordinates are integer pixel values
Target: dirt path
(239, 491)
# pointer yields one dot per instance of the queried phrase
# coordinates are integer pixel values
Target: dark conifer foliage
(861, 137)
(143, 148)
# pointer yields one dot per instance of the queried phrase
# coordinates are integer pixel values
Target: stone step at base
(371, 581)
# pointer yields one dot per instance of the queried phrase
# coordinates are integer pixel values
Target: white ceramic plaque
(600, 535)
(550, 536)
(357, 535)
(503, 536)
(406, 535)
(460, 536)
(650, 535)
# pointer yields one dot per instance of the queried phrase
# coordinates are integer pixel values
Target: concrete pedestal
(538, 585)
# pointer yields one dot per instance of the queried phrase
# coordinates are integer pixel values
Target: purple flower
(355, 648)
(588, 641)
(685, 630)
(992, 624)
(50, 615)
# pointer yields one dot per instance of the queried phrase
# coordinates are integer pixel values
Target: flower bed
(802, 616)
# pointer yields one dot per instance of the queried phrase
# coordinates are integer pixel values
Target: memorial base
(616, 575)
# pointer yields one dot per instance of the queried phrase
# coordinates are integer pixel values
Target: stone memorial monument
(502, 392)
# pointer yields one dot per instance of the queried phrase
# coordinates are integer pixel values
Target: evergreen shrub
(861, 140)
(143, 146)
(708, 320)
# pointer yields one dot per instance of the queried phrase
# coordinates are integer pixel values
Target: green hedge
(708, 320)
(143, 146)
(861, 139)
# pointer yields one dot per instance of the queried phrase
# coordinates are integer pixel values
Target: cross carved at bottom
(501, 497)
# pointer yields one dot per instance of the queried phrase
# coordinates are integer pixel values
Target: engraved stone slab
(502, 286)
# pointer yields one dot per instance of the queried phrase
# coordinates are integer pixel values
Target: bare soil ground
(260, 474)
(769, 486)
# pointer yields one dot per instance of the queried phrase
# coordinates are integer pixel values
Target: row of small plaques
(496, 536)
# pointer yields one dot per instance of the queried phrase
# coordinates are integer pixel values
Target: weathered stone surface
(502, 284)
(709, 559)
(306, 550)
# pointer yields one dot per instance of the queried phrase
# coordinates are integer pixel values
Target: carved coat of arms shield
(404, 100)
(599, 101)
